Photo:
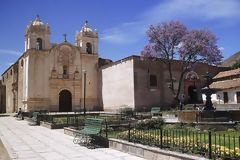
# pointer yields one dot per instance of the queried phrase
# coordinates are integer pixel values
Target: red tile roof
(227, 73)
(227, 84)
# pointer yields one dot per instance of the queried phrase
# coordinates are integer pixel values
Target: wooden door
(238, 97)
(65, 101)
(225, 97)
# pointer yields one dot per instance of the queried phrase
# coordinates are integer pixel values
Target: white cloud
(201, 9)
(221, 48)
(10, 63)
(204, 10)
(123, 34)
(8, 51)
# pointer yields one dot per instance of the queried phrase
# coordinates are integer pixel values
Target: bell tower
(87, 40)
(37, 35)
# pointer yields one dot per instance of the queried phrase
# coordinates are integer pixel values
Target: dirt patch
(3, 152)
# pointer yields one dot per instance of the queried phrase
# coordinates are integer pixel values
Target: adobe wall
(10, 83)
(118, 85)
(2, 98)
(146, 96)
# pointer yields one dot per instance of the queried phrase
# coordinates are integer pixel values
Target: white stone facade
(46, 69)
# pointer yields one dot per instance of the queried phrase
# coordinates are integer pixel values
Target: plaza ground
(23, 141)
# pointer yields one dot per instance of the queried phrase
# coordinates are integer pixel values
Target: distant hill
(231, 60)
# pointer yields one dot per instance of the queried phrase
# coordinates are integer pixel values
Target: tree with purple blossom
(172, 40)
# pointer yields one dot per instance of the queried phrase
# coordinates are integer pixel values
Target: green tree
(236, 64)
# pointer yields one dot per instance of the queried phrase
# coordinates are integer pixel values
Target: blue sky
(121, 24)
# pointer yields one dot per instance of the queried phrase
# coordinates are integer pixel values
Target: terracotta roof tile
(227, 84)
(227, 73)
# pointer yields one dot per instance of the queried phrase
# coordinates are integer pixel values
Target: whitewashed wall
(232, 96)
(118, 85)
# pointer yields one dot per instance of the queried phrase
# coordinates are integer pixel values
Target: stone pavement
(35, 142)
(3, 153)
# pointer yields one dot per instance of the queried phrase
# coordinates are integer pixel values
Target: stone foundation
(149, 153)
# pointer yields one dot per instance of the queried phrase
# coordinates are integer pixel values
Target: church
(65, 77)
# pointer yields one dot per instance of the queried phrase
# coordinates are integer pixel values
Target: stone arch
(192, 75)
(192, 85)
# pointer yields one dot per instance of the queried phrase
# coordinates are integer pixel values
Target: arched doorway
(192, 93)
(65, 101)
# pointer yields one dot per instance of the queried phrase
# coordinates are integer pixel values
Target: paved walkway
(3, 153)
(35, 142)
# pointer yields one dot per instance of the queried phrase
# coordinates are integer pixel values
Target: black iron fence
(62, 119)
(208, 144)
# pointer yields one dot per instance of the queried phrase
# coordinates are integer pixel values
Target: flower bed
(222, 145)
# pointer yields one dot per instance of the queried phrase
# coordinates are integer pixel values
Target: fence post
(77, 121)
(129, 128)
(75, 118)
(161, 138)
(210, 145)
(67, 119)
(106, 128)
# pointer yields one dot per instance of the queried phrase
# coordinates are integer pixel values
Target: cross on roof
(65, 37)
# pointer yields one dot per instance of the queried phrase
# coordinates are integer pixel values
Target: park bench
(92, 127)
(35, 117)
(155, 111)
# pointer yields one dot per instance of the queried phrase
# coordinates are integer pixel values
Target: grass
(71, 120)
(188, 141)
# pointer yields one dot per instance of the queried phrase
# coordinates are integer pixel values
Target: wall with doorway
(232, 96)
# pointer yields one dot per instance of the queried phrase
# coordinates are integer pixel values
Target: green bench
(92, 127)
(155, 111)
(35, 117)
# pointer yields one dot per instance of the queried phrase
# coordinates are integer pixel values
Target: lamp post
(208, 92)
(195, 91)
(84, 92)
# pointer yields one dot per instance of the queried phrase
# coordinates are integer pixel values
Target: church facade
(50, 76)
(65, 77)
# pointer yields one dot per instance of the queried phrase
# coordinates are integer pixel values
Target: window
(153, 80)
(89, 48)
(238, 97)
(3, 79)
(11, 72)
(65, 71)
(225, 97)
(39, 44)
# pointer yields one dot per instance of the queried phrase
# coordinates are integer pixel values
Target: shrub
(237, 126)
(151, 124)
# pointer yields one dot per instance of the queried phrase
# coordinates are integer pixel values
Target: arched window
(39, 44)
(89, 48)
(65, 71)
